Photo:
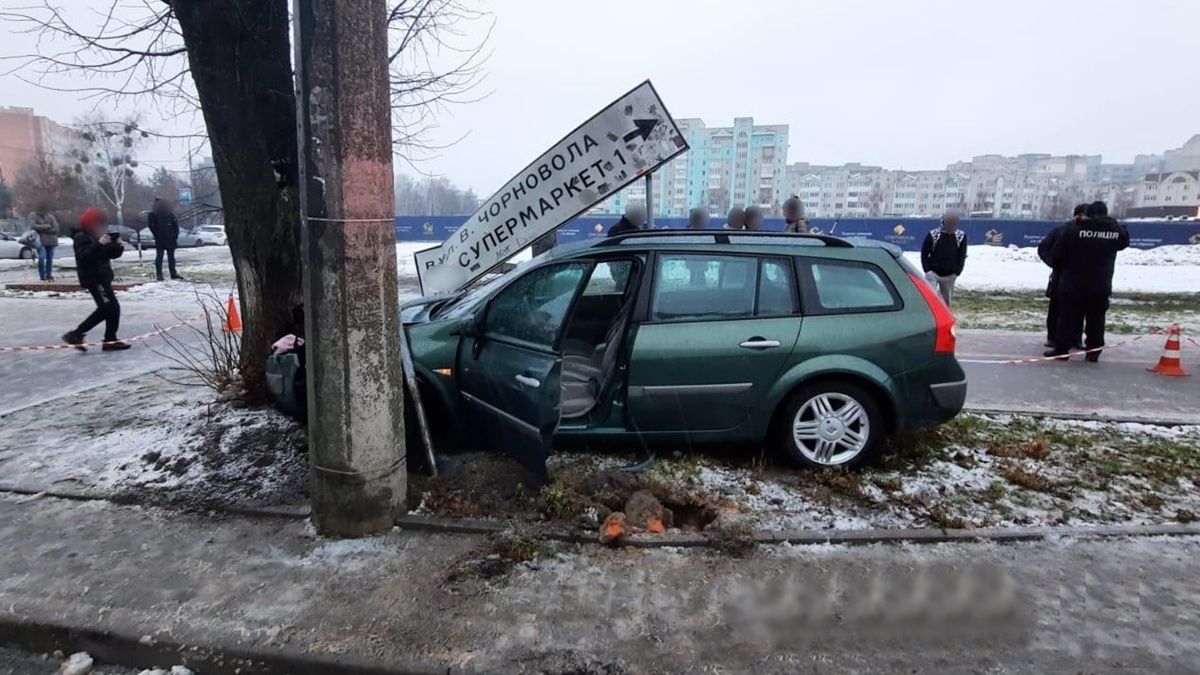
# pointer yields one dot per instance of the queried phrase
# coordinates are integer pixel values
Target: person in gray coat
(43, 222)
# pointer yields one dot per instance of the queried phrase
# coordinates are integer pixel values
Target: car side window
(532, 309)
(776, 288)
(703, 286)
(609, 277)
(844, 286)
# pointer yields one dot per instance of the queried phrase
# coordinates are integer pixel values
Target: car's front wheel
(830, 424)
(26, 254)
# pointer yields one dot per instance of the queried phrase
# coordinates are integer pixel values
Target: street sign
(185, 195)
(628, 139)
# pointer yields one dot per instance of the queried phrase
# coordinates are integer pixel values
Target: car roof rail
(722, 236)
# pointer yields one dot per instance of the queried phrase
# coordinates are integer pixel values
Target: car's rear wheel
(830, 424)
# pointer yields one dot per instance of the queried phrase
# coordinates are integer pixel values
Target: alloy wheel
(831, 429)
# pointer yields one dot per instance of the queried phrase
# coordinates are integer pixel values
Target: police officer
(1045, 248)
(1084, 258)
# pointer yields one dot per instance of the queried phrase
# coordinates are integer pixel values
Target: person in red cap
(94, 249)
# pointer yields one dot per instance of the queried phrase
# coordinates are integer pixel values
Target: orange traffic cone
(233, 322)
(1170, 364)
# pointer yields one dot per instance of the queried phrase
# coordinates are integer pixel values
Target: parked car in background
(187, 238)
(813, 344)
(211, 235)
(10, 248)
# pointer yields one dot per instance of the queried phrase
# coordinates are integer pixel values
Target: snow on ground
(989, 471)
(1166, 269)
(149, 440)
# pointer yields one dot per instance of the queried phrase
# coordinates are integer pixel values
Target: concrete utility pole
(355, 392)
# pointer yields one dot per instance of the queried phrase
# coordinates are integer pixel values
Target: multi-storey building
(26, 138)
(742, 165)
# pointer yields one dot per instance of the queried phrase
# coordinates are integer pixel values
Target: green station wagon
(814, 344)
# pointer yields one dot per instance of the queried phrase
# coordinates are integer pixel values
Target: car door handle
(760, 343)
(528, 381)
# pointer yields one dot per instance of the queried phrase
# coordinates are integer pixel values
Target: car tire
(198, 244)
(26, 254)
(830, 424)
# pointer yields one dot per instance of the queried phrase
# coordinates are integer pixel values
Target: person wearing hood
(94, 251)
(45, 225)
(634, 220)
(162, 224)
(1085, 257)
(736, 220)
(793, 216)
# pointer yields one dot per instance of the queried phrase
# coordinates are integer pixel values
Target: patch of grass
(1037, 448)
(1131, 313)
(735, 538)
(945, 519)
(561, 502)
(520, 548)
(1022, 477)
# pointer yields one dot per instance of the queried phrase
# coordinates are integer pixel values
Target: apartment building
(26, 137)
(744, 164)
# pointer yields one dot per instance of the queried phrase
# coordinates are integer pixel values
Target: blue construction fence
(907, 233)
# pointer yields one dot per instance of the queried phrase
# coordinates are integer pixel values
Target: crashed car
(817, 345)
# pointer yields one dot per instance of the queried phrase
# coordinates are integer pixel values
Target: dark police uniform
(1083, 259)
(1045, 249)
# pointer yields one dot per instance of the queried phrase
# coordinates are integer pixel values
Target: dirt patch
(583, 491)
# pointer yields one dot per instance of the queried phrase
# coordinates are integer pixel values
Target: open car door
(510, 366)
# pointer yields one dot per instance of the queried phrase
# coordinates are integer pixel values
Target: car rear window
(699, 287)
(845, 286)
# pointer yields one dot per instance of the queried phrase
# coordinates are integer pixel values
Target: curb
(113, 647)
(299, 511)
(483, 526)
(1085, 417)
(809, 537)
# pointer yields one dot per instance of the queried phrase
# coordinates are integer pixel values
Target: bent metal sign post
(628, 139)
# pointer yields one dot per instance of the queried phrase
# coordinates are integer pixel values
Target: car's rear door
(510, 370)
(716, 330)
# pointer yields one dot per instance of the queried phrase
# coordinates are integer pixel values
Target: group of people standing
(749, 218)
(95, 248)
(1082, 257)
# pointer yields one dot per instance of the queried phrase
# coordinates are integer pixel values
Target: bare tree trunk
(239, 56)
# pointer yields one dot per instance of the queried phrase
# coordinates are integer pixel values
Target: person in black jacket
(94, 249)
(1045, 247)
(1084, 257)
(944, 254)
(634, 220)
(165, 228)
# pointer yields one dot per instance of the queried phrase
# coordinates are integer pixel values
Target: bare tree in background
(231, 59)
(108, 157)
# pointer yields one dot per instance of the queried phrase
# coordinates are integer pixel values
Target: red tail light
(946, 337)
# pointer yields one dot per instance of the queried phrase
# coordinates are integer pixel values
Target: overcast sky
(902, 83)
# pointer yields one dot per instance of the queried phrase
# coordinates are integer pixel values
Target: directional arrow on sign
(643, 129)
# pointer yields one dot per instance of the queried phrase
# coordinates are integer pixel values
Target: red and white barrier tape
(135, 338)
(1158, 331)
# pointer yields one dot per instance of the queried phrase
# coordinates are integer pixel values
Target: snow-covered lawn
(974, 472)
(1166, 269)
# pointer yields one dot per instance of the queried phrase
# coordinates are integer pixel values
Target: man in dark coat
(1044, 249)
(165, 228)
(94, 250)
(1085, 257)
(634, 220)
(698, 218)
(944, 255)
